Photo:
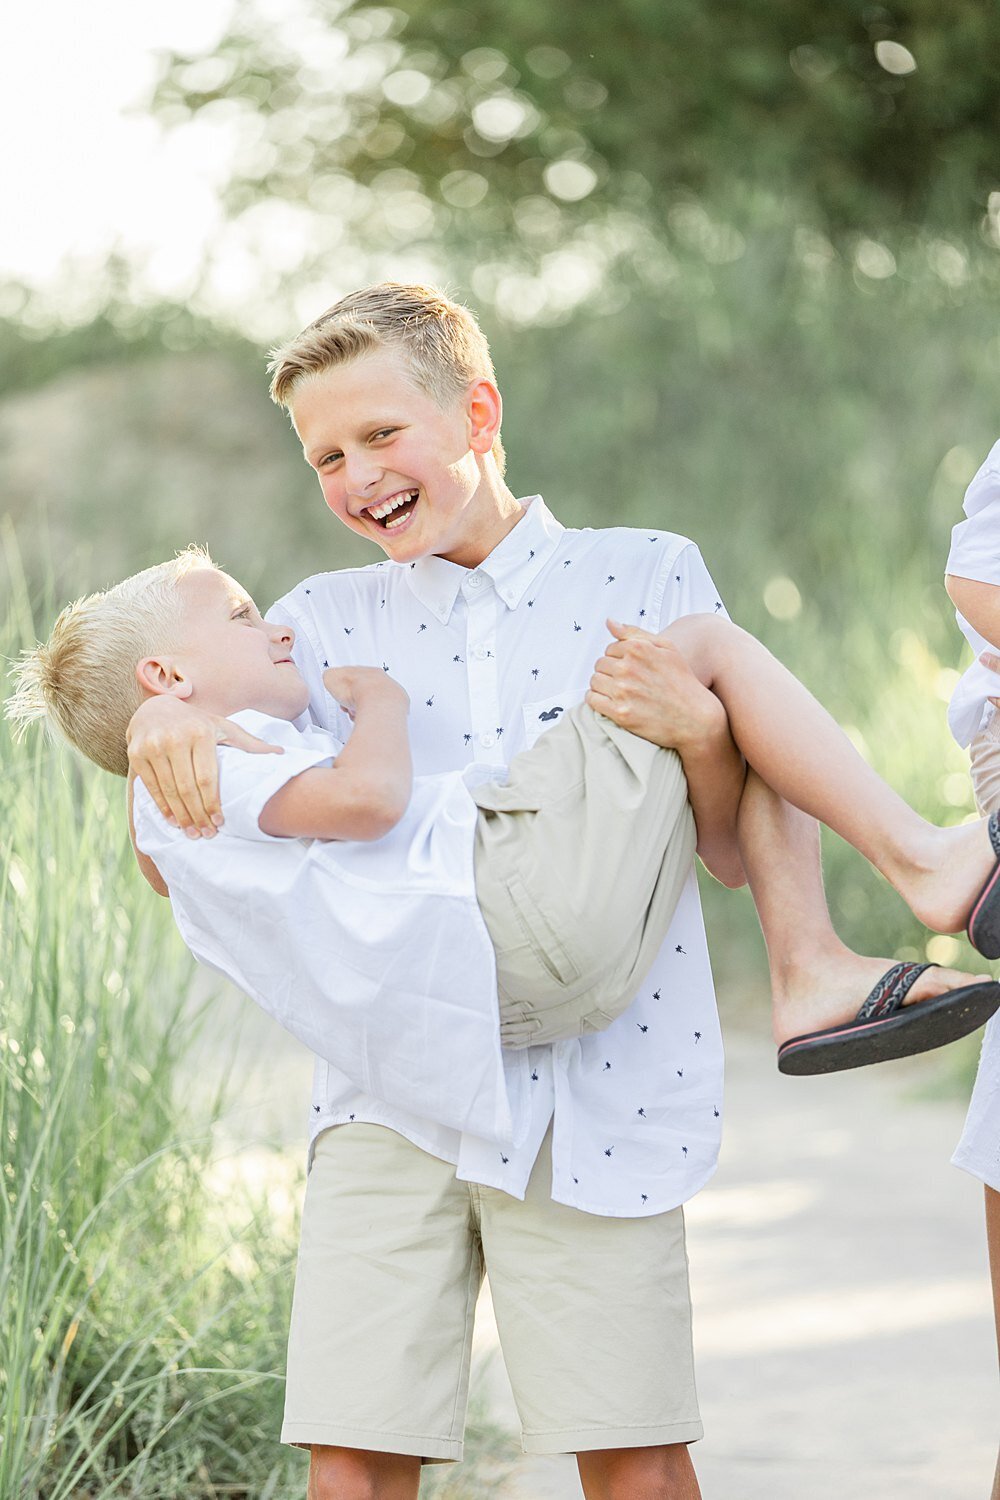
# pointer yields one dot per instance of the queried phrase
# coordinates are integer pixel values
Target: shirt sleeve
(248, 782)
(688, 588)
(975, 542)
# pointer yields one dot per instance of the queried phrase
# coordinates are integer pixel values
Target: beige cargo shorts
(581, 857)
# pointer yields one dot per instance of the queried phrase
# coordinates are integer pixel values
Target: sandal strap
(993, 829)
(892, 989)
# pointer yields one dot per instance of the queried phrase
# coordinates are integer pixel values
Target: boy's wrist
(706, 733)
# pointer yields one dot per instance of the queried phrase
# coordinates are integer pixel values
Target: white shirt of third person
(975, 554)
(490, 658)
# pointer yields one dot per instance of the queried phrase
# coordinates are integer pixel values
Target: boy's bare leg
(651, 686)
(993, 1241)
(799, 750)
(639, 1474)
(816, 980)
(354, 1474)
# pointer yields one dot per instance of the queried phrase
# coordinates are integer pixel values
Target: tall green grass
(140, 1352)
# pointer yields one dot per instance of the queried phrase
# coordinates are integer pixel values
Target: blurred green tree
(520, 119)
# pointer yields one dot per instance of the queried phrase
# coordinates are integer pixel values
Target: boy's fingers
(180, 787)
(599, 703)
(145, 773)
(205, 767)
(614, 703)
(628, 632)
(241, 739)
(989, 660)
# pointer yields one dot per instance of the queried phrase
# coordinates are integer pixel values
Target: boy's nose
(283, 635)
(362, 474)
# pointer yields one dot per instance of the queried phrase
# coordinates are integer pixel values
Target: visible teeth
(379, 512)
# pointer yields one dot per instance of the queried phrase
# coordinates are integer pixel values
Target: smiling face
(398, 468)
(226, 657)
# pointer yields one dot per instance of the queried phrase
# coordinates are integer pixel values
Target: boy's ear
(157, 675)
(485, 410)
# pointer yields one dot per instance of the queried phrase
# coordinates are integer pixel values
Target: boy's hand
(643, 683)
(988, 659)
(171, 748)
(352, 686)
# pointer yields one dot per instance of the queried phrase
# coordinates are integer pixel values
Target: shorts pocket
(540, 934)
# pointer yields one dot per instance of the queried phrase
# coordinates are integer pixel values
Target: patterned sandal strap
(892, 989)
(993, 829)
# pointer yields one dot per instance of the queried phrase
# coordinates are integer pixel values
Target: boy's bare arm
(146, 866)
(977, 602)
(644, 684)
(366, 793)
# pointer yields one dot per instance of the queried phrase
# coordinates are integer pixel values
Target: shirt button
(486, 740)
(475, 580)
(509, 595)
(480, 653)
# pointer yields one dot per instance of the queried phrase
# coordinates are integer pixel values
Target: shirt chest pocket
(545, 712)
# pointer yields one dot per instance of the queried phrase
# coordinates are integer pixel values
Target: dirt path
(843, 1328)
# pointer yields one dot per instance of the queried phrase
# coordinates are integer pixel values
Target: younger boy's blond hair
(82, 680)
(440, 340)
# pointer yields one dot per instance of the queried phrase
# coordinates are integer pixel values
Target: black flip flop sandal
(983, 929)
(883, 1029)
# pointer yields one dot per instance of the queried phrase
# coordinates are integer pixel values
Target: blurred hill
(113, 466)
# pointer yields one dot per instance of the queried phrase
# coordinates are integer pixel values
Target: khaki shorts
(984, 754)
(593, 1313)
(581, 857)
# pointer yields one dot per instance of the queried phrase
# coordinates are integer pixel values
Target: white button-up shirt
(490, 657)
(375, 954)
(975, 553)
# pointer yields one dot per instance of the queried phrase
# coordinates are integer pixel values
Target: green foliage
(518, 121)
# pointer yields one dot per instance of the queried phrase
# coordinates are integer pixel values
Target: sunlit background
(739, 267)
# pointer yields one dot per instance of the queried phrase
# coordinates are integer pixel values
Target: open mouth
(393, 512)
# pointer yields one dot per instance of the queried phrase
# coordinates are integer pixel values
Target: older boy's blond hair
(440, 340)
(82, 680)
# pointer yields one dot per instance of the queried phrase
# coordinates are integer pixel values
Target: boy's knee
(657, 1473)
(355, 1474)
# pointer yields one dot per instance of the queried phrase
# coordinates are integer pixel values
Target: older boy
(486, 613)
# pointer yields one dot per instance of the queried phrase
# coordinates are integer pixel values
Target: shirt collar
(512, 566)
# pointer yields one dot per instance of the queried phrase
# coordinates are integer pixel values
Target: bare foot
(834, 989)
(954, 866)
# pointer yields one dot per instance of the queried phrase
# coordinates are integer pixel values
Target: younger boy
(579, 854)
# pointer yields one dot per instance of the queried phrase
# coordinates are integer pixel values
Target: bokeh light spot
(895, 58)
(782, 599)
(464, 189)
(570, 180)
(406, 87)
(874, 260)
(942, 950)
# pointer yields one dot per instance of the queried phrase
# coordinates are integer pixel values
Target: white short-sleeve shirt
(490, 657)
(975, 553)
(373, 954)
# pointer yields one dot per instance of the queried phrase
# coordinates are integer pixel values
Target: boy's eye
(385, 432)
(243, 614)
